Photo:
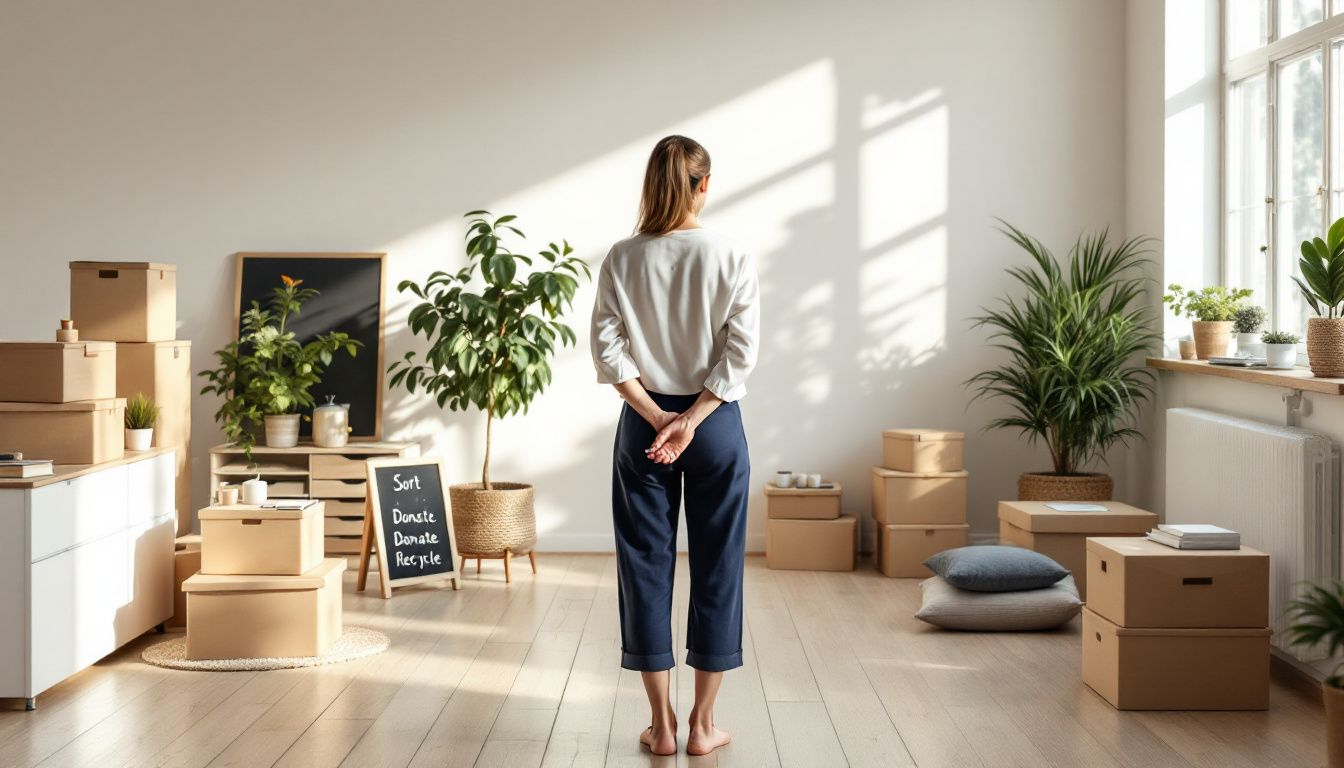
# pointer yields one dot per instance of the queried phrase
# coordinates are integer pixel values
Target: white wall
(863, 148)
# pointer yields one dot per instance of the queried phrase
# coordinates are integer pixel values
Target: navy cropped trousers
(712, 475)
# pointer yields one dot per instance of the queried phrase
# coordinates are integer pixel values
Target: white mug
(254, 491)
(783, 478)
(800, 480)
(814, 480)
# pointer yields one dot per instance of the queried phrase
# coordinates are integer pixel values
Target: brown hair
(676, 167)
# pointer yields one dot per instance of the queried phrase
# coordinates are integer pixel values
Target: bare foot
(702, 741)
(660, 741)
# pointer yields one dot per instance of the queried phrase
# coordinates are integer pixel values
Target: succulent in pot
(1280, 349)
(1246, 323)
(141, 415)
(1322, 286)
(1211, 311)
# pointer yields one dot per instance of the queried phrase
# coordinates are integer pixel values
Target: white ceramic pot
(282, 431)
(139, 439)
(1281, 356)
(1249, 344)
(254, 491)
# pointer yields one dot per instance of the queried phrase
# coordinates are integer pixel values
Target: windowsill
(1297, 378)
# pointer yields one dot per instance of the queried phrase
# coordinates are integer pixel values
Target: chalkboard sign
(349, 299)
(408, 522)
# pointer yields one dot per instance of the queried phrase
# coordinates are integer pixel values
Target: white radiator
(1277, 486)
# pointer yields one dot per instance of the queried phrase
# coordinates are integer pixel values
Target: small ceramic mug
(227, 495)
(1187, 347)
(783, 478)
(254, 491)
(814, 480)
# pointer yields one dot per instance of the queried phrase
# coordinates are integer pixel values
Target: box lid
(774, 490)
(923, 435)
(254, 512)
(846, 519)
(928, 527)
(102, 404)
(895, 473)
(1037, 517)
(91, 348)
(145, 265)
(1131, 546)
(324, 573)
(170, 344)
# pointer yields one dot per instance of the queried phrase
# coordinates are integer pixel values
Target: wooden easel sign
(407, 519)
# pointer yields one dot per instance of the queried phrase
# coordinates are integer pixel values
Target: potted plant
(1317, 616)
(265, 376)
(141, 414)
(1210, 310)
(1074, 377)
(1247, 321)
(1280, 349)
(1322, 285)
(490, 344)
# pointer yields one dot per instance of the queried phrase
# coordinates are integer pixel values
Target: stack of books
(25, 468)
(1195, 537)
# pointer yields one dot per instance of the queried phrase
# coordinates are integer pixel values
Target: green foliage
(141, 412)
(1322, 268)
(1072, 341)
(1280, 337)
(490, 344)
(268, 371)
(1214, 303)
(1317, 616)
(1249, 318)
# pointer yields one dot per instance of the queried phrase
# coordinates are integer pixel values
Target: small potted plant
(265, 376)
(1280, 349)
(1210, 310)
(1322, 285)
(1317, 617)
(1246, 323)
(141, 414)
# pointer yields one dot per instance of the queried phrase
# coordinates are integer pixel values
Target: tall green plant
(490, 348)
(1072, 342)
(1322, 268)
(1317, 616)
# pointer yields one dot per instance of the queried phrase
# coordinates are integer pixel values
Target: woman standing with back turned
(675, 330)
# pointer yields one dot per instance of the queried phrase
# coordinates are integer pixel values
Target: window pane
(1299, 179)
(1337, 129)
(1247, 25)
(1298, 14)
(1247, 143)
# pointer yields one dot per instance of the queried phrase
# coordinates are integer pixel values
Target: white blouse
(680, 312)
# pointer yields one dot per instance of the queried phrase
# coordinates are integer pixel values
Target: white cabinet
(92, 570)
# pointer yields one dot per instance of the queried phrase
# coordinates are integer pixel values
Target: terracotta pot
(1046, 486)
(489, 522)
(1334, 724)
(1325, 346)
(1212, 338)
(282, 431)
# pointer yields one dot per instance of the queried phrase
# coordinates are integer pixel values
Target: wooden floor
(837, 672)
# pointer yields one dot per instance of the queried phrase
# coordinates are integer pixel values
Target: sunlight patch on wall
(903, 175)
(903, 301)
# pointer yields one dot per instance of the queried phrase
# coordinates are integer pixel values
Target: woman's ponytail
(675, 170)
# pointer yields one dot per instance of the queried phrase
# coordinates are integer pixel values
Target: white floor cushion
(951, 608)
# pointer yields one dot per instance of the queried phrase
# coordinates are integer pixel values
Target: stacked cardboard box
(1172, 628)
(805, 530)
(264, 589)
(58, 401)
(919, 499)
(1060, 531)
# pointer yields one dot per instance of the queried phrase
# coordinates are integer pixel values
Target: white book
(1197, 530)
(1177, 543)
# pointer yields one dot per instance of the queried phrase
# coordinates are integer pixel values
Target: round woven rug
(354, 643)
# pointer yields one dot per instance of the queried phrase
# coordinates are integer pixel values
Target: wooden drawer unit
(337, 489)
(326, 466)
(345, 508)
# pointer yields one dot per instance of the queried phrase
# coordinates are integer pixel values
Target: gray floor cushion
(951, 608)
(996, 568)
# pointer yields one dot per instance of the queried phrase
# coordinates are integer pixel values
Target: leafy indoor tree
(490, 347)
(1073, 341)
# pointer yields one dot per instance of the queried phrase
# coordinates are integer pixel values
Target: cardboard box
(901, 550)
(81, 432)
(244, 617)
(186, 563)
(162, 370)
(1146, 668)
(1140, 583)
(802, 503)
(919, 498)
(1062, 536)
(242, 539)
(922, 450)
(57, 372)
(811, 545)
(124, 301)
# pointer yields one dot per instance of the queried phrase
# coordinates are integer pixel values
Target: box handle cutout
(929, 533)
(89, 351)
(107, 274)
(1098, 637)
(1197, 581)
(1103, 566)
(250, 521)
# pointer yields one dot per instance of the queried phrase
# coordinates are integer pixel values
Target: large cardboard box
(922, 450)
(919, 498)
(124, 301)
(242, 539)
(186, 563)
(162, 370)
(802, 503)
(1062, 536)
(243, 617)
(902, 549)
(57, 372)
(1147, 668)
(1140, 583)
(81, 432)
(811, 545)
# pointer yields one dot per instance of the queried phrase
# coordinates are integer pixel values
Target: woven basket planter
(1212, 338)
(1325, 346)
(1334, 725)
(1034, 486)
(489, 522)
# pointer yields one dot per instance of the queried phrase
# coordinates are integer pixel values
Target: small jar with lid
(331, 424)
